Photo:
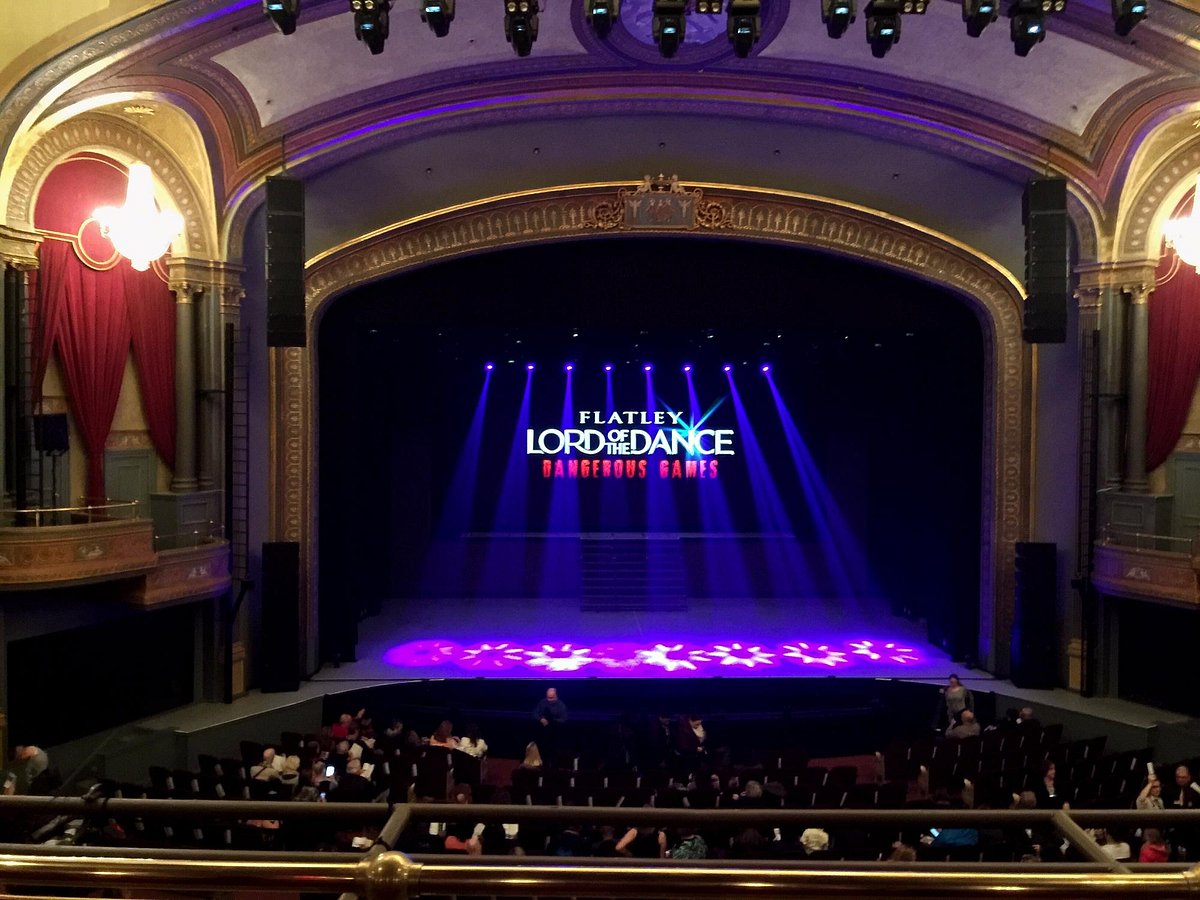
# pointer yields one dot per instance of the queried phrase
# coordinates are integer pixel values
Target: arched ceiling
(434, 121)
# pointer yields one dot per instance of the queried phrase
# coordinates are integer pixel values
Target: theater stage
(547, 638)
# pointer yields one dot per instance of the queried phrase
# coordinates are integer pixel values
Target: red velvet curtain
(1174, 365)
(85, 311)
(151, 309)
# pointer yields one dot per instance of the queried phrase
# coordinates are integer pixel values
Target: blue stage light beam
(504, 560)
(560, 570)
(846, 560)
(455, 515)
(788, 570)
(661, 515)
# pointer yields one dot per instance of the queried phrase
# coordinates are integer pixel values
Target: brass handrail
(394, 876)
(37, 512)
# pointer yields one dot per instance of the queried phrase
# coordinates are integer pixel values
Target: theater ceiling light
(371, 22)
(438, 14)
(521, 24)
(139, 230)
(283, 13)
(601, 14)
(978, 14)
(1183, 235)
(669, 25)
(1127, 13)
(837, 16)
(744, 26)
(883, 26)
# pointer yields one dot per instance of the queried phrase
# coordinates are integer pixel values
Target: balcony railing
(83, 514)
(1148, 566)
(385, 874)
(196, 536)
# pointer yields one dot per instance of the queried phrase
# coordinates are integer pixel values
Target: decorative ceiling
(803, 111)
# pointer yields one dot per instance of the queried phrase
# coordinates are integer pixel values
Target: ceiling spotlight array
(601, 14)
(371, 22)
(283, 13)
(521, 24)
(1027, 19)
(438, 14)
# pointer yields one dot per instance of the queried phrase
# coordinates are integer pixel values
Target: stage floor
(520, 638)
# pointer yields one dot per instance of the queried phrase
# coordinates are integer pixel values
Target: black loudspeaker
(50, 433)
(285, 261)
(280, 668)
(1035, 632)
(1047, 260)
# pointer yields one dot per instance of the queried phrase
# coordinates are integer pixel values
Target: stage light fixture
(709, 7)
(608, 367)
(1027, 24)
(837, 16)
(529, 368)
(283, 13)
(601, 14)
(744, 26)
(668, 25)
(727, 368)
(521, 24)
(978, 14)
(490, 366)
(883, 25)
(766, 369)
(687, 370)
(1127, 13)
(647, 367)
(438, 14)
(371, 23)
(570, 367)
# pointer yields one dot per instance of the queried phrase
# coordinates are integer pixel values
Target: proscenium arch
(596, 210)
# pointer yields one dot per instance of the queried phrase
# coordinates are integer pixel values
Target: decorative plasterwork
(20, 248)
(747, 214)
(114, 135)
(1140, 229)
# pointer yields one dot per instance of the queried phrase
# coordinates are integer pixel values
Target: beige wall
(128, 428)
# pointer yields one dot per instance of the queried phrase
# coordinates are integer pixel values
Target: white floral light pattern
(560, 658)
(660, 658)
(820, 654)
(734, 654)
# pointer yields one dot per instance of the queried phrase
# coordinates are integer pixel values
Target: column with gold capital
(1137, 366)
(184, 479)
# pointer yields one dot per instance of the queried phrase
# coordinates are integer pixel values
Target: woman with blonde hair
(533, 757)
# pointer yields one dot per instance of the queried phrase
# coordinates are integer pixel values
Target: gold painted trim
(741, 212)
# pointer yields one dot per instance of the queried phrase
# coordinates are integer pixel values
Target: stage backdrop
(807, 425)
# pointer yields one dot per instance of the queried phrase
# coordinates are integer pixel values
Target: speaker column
(285, 262)
(280, 667)
(1035, 629)
(1047, 260)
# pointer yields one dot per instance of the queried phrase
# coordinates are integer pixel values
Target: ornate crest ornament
(660, 202)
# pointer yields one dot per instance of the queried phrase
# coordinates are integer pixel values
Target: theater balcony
(111, 542)
(1151, 567)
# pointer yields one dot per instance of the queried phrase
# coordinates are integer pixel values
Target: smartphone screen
(329, 770)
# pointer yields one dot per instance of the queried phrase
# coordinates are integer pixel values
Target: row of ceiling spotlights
(647, 367)
(1027, 19)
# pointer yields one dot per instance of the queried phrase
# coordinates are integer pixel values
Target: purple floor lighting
(657, 657)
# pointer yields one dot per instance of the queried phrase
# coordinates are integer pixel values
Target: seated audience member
(967, 728)
(533, 757)
(1151, 794)
(345, 724)
(1050, 793)
(691, 740)
(462, 837)
(606, 842)
(353, 787)
(660, 743)
(1154, 848)
(473, 744)
(815, 841)
(1181, 794)
(444, 737)
(30, 763)
(646, 842)
(689, 846)
(270, 768)
(902, 853)
(396, 737)
(1112, 845)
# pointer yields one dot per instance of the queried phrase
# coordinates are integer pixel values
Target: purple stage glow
(653, 659)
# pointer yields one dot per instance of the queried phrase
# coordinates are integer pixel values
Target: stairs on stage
(633, 573)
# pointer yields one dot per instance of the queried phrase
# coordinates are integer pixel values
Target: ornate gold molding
(745, 213)
(20, 248)
(97, 131)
